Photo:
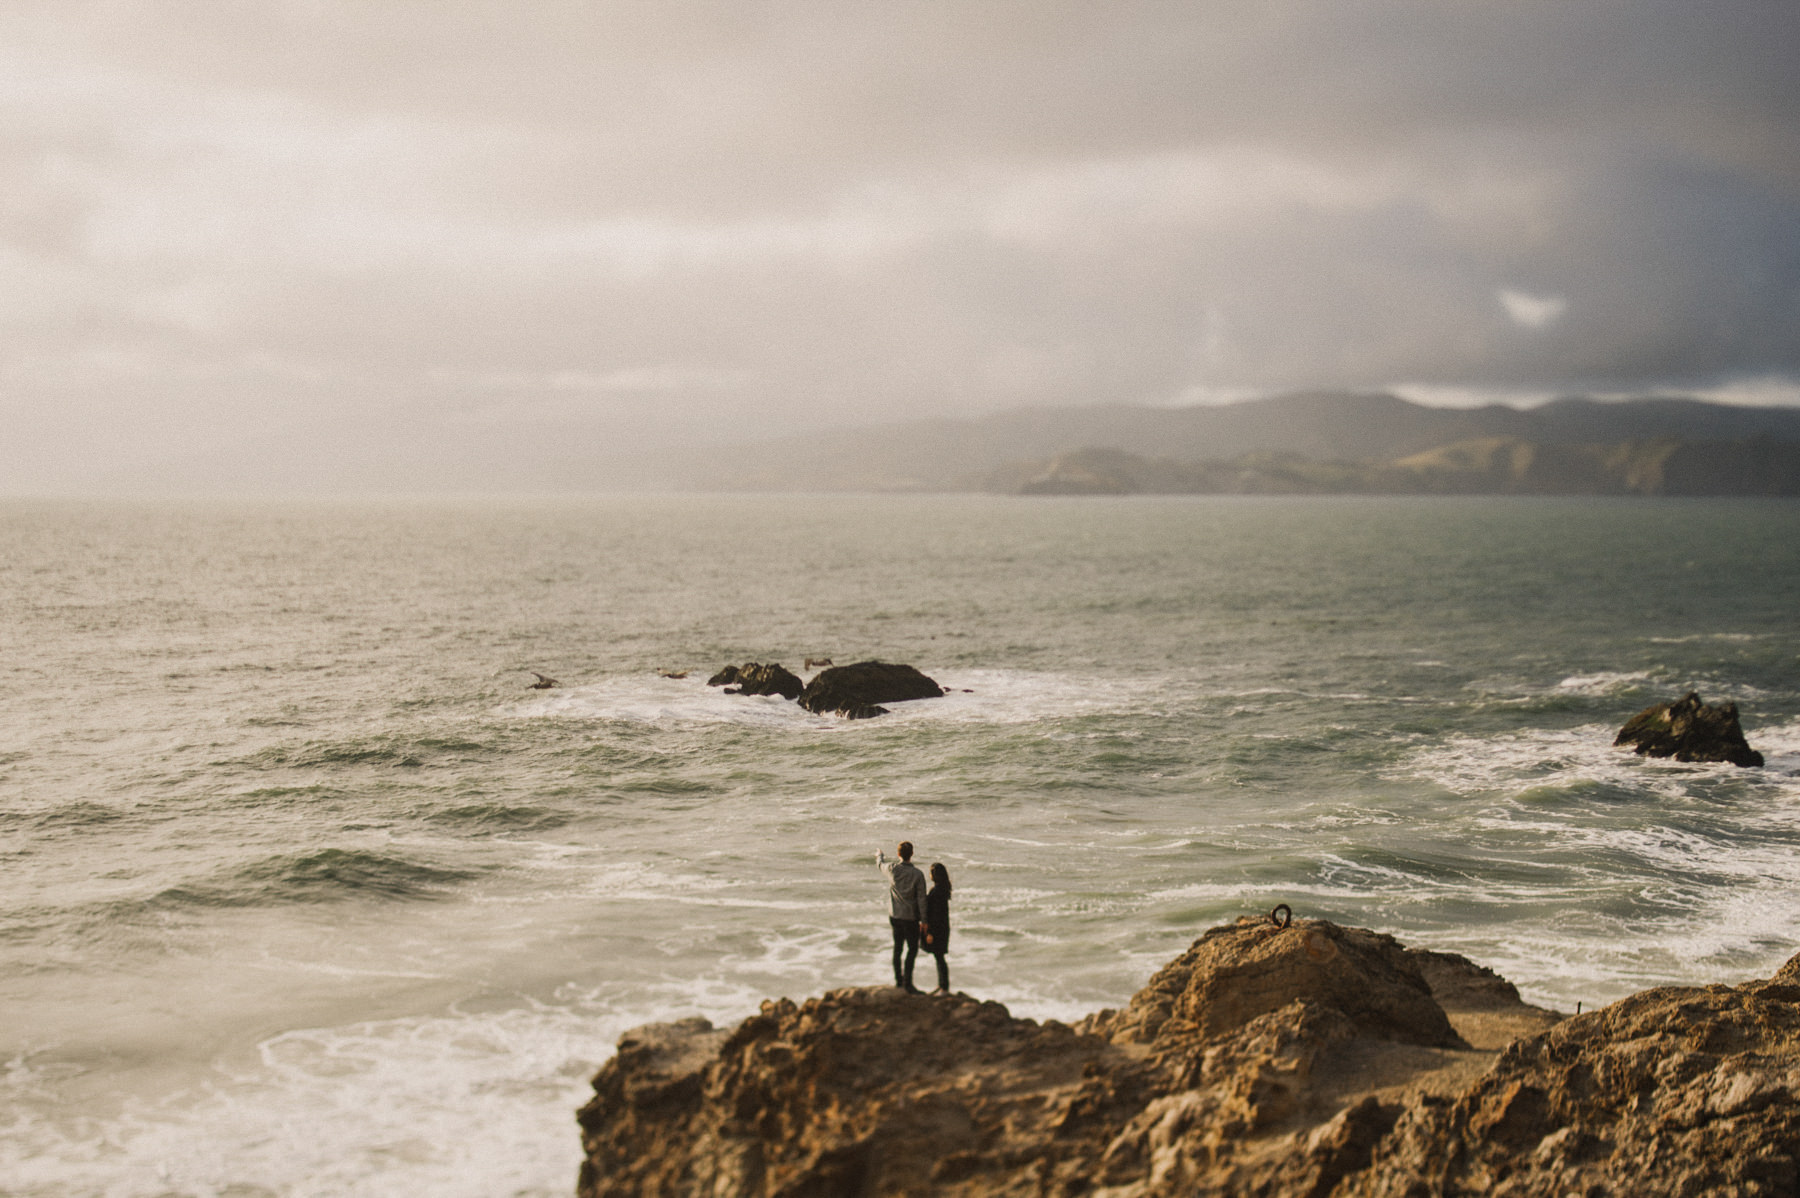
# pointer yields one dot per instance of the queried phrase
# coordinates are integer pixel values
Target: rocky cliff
(1482, 466)
(1309, 1061)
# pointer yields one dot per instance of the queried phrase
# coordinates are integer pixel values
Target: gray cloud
(268, 228)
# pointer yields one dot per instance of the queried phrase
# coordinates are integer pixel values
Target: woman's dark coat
(937, 920)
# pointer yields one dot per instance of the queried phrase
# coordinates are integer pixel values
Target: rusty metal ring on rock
(1276, 919)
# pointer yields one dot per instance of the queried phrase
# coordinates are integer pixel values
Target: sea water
(304, 893)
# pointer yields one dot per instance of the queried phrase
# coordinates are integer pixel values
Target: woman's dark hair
(941, 876)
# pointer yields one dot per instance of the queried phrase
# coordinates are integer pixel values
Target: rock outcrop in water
(856, 691)
(754, 678)
(1311, 1061)
(1689, 730)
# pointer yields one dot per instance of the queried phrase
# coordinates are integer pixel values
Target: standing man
(906, 910)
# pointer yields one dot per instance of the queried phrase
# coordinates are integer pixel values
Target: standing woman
(937, 923)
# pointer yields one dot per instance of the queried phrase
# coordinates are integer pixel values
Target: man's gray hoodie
(906, 888)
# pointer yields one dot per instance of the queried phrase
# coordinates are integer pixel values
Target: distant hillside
(944, 455)
(1483, 466)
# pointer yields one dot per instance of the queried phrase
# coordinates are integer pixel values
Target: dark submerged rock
(856, 691)
(754, 678)
(1689, 730)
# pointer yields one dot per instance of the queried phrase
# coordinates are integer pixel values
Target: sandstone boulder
(1233, 974)
(1226, 1075)
(862, 1091)
(857, 691)
(1309, 1062)
(1689, 730)
(754, 678)
(1674, 1091)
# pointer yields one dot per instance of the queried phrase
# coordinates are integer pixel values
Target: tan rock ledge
(1312, 1061)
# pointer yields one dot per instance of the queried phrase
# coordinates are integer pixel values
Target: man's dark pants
(906, 937)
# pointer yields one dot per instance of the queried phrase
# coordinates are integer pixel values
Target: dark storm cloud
(277, 223)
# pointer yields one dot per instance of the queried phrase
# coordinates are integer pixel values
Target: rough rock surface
(1689, 730)
(1233, 974)
(863, 1091)
(1312, 1061)
(856, 691)
(1676, 1090)
(754, 678)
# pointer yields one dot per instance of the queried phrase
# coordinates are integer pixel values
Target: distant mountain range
(1314, 442)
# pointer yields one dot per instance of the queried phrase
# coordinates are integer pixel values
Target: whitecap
(1702, 855)
(1709, 636)
(813, 954)
(1780, 746)
(1561, 758)
(1604, 683)
(652, 699)
(375, 1109)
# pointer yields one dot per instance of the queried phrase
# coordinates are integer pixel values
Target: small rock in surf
(1689, 730)
(754, 678)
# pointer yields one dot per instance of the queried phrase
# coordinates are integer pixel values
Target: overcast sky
(267, 235)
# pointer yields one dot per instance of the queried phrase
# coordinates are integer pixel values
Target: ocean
(305, 894)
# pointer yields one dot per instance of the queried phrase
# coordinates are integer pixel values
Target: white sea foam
(1710, 872)
(287, 966)
(386, 1108)
(1723, 934)
(1025, 697)
(1260, 692)
(1780, 746)
(972, 696)
(1563, 758)
(1201, 892)
(1708, 636)
(1028, 1002)
(813, 955)
(1604, 683)
(376, 1109)
(652, 699)
(368, 1110)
